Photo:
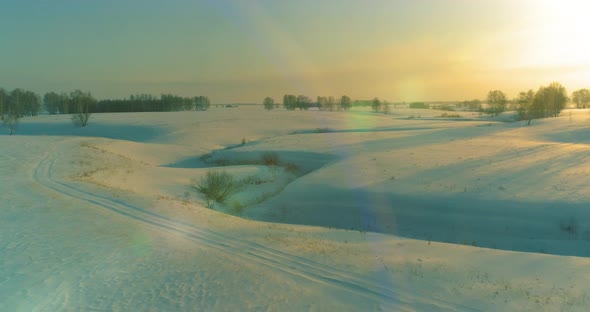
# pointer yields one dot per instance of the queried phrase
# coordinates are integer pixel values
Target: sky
(237, 51)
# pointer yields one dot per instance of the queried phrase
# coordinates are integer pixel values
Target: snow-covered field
(368, 212)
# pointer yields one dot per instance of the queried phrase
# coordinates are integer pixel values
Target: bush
(217, 186)
(270, 159)
(80, 119)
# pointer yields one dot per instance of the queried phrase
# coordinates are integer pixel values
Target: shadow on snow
(94, 129)
(526, 226)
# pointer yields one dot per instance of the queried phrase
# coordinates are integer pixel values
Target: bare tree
(303, 102)
(330, 105)
(51, 101)
(321, 102)
(376, 104)
(268, 103)
(63, 104)
(202, 103)
(497, 101)
(524, 105)
(13, 110)
(32, 103)
(11, 121)
(3, 103)
(345, 102)
(289, 101)
(16, 102)
(581, 98)
(81, 103)
(549, 101)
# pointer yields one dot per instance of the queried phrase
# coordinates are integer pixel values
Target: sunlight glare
(559, 35)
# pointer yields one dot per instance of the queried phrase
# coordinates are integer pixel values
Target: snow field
(382, 213)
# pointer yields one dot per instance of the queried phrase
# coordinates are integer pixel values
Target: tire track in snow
(388, 299)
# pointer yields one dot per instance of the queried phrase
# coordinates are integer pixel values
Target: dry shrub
(270, 159)
(291, 167)
(217, 186)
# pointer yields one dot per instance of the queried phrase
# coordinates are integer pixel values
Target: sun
(558, 34)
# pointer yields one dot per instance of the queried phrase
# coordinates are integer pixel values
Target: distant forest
(21, 103)
(60, 103)
(547, 101)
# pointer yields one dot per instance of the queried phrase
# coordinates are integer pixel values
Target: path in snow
(279, 261)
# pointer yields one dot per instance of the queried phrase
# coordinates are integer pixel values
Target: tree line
(149, 103)
(324, 103)
(61, 104)
(547, 101)
(20, 103)
(17, 104)
(302, 102)
(69, 103)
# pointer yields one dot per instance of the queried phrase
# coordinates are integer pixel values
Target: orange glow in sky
(243, 51)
